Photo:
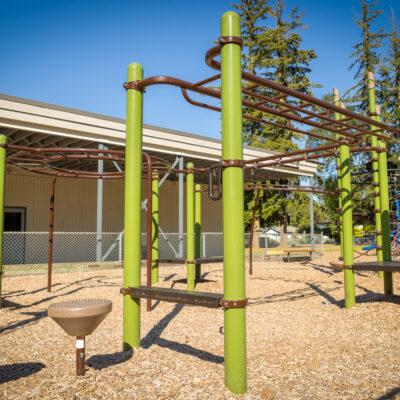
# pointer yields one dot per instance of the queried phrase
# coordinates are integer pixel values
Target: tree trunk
(256, 234)
(283, 232)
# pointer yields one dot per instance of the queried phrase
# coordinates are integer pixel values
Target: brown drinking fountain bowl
(80, 318)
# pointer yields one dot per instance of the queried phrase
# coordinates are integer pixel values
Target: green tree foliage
(366, 54)
(272, 49)
(388, 88)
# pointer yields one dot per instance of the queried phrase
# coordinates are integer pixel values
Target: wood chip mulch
(302, 343)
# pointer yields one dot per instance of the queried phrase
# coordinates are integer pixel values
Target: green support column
(383, 190)
(375, 172)
(132, 208)
(347, 219)
(340, 206)
(197, 228)
(3, 153)
(385, 216)
(190, 272)
(154, 228)
(336, 99)
(233, 205)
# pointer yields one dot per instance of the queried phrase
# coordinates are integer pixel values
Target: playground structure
(267, 97)
(227, 181)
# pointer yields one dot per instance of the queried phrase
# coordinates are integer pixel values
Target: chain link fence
(27, 252)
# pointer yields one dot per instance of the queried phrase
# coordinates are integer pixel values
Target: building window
(14, 219)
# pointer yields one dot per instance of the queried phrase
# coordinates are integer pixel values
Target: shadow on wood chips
(12, 372)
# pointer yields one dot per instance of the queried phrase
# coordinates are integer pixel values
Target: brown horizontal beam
(202, 299)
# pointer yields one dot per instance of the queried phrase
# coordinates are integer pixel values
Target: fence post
(204, 245)
(132, 205)
(190, 272)
(3, 154)
(120, 247)
(197, 227)
(232, 198)
(154, 228)
(322, 244)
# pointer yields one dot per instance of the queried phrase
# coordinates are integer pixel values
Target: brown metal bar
(209, 260)
(211, 62)
(289, 188)
(291, 153)
(295, 160)
(256, 119)
(310, 114)
(51, 235)
(171, 261)
(253, 219)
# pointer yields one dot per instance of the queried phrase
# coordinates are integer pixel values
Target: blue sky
(74, 53)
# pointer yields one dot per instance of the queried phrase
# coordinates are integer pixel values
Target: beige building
(78, 201)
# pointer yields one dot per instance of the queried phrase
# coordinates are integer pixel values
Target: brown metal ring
(232, 163)
(133, 85)
(230, 39)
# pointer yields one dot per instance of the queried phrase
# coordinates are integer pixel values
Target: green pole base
(154, 275)
(131, 313)
(191, 284)
(235, 350)
(198, 272)
(388, 283)
(349, 288)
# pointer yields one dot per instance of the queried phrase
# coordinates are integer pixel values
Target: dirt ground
(302, 343)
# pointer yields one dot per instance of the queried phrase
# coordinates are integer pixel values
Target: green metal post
(339, 182)
(385, 216)
(154, 228)
(190, 272)
(233, 202)
(347, 220)
(132, 208)
(383, 189)
(197, 228)
(375, 171)
(3, 152)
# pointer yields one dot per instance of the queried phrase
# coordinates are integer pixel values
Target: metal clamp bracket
(233, 303)
(230, 40)
(215, 179)
(232, 163)
(133, 85)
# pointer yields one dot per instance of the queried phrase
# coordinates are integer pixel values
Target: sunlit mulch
(302, 343)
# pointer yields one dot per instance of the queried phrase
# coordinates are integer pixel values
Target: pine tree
(366, 54)
(388, 88)
(274, 51)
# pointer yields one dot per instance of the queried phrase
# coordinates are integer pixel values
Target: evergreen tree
(366, 54)
(388, 88)
(274, 51)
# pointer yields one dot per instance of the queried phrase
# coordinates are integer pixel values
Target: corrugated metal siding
(75, 204)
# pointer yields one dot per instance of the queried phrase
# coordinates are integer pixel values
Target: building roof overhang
(34, 123)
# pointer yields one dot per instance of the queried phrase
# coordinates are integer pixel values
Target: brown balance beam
(204, 299)
(375, 266)
(204, 260)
